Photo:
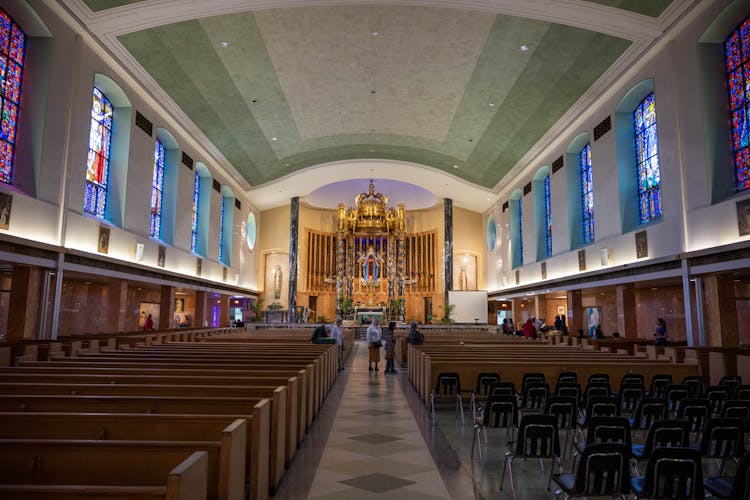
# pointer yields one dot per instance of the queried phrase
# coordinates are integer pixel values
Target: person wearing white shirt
(373, 335)
(338, 336)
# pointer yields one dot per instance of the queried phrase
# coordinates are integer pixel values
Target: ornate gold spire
(371, 214)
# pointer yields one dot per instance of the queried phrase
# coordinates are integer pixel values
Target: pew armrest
(189, 480)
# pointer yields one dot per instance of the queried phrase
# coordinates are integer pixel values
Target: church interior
(541, 209)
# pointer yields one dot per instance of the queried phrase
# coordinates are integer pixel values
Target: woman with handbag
(374, 335)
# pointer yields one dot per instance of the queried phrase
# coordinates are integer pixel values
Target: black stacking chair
(565, 410)
(696, 411)
(530, 378)
(731, 382)
(500, 411)
(600, 406)
(595, 378)
(722, 438)
(738, 408)
(695, 385)
(649, 410)
(502, 388)
(735, 487)
(629, 395)
(447, 388)
(663, 434)
(671, 473)
(659, 384)
(742, 392)
(602, 471)
(595, 390)
(567, 377)
(482, 389)
(568, 389)
(675, 394)
(534, 396)
(632, 378)
(717, 395)
(607, 430)
(537, 439)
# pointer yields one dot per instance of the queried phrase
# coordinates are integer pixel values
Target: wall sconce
(139, 252)
(604, 253)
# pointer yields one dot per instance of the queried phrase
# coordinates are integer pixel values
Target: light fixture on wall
(139, 252)
(604, 253)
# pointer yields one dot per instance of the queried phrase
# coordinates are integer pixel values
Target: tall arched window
(737, 64)
(547, 217)
(196, 206)
(157, 190)
(12, 49)
(222, 253)
(100, 150)
(516, 228)
(647, 160)
(587, 194)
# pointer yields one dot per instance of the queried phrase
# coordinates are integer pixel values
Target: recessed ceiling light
(288, 164)
(375, 33)
(274, 139)
(492, 104)
(455, 166)
(224, 44)
(471, 140)
(524, 48)
(372, 91)
(88, 282)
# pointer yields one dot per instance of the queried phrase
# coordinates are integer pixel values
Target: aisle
(374, 448)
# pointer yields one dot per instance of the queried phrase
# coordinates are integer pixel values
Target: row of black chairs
(608, 459)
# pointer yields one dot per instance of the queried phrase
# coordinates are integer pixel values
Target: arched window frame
(587, 194)
(99, 155)
(547, 217)
(542, 213)
(227, 221)
(516, 228)
(12, 57)
(196, 213)
(736, 66)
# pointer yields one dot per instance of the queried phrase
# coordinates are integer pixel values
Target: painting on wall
(592, 316)
(743, 217)
(6, 203)
(275, 278)
(544, 270)
(103, 243)
(147, 308)
(465, 273)
(198, 266)
(641, 245)
(561, 310)
(581, 260)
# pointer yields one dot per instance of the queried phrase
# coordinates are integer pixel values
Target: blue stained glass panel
(196, 204)
(157, 190)
(547, 217)
(647, 160)
(587, 194)
(737, 65)
(520, 231)
(221, 232)
(98, 159)
(12, 45)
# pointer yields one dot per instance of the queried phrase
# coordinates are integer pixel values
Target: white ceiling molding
(578, 13)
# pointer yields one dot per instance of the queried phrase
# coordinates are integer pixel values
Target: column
(515, 307)
(293, 244)
(575, 311)
(117, 305)
(721, 310)
(448, 217)
(627, 323)
(166, 308)
(23, 309)
(200, 309)
(224, 310)
(540, 308)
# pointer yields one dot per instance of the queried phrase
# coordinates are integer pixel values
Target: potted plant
(448, 311)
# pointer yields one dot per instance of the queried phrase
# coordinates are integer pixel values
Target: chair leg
(432, 406)
(505, 468)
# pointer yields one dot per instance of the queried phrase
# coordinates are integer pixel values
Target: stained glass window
(97, 163)
(737, 63)
(547, 217)
(587, 194)
(647, 160)
(194, 223)
(520, 231)
(12, 49)
(221, 232)
(157, 190)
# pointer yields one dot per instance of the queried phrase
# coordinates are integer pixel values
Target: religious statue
(278, 276)
(370, 264)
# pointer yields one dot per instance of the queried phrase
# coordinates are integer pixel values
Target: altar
(363, 315)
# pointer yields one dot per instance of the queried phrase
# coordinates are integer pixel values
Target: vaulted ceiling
(465, 87)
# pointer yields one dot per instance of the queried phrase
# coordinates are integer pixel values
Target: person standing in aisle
(338, 336)
(374, 334)
(389, 342)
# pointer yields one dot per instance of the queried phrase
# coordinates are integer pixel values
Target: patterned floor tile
(374, 438)
(378, 482)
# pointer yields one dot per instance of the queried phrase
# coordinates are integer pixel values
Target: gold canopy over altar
(370, 257)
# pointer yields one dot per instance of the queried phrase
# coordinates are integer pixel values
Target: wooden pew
(187, 481)
(115, 463)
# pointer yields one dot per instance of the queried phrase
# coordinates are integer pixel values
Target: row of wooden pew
(218, 416)
(469, 354)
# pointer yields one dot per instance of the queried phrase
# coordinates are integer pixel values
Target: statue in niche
(278, 276)
(463, 283)
(370, 263)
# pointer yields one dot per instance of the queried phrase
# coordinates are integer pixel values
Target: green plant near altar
(394, 307)
(275, 306)
(448, 312)
(257, 309)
